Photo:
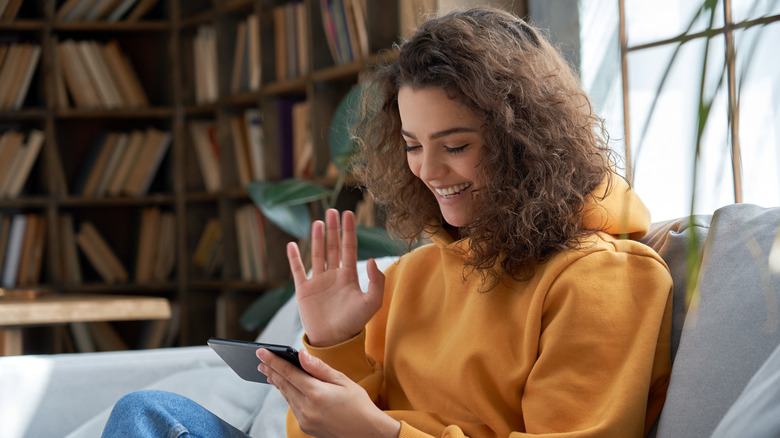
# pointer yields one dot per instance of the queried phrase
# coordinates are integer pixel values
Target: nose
(432, 165)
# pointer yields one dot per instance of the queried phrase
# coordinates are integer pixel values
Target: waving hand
(332, 306)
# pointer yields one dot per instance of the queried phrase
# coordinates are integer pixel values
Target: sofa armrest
(49, 395)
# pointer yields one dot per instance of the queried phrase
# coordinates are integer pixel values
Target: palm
(332, 306)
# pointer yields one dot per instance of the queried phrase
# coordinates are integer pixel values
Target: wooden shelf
(160, 49)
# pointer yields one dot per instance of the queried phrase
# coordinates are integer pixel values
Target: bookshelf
(203, 118)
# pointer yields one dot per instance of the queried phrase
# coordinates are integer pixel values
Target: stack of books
(22, 240)
(17, 157)
(109, 10)
(97, 76)
(18, 62)
(121, 163)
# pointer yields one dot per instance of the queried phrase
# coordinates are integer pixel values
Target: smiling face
(443, 144)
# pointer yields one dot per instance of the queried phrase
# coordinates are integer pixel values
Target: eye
(456, 150)
(411, 148)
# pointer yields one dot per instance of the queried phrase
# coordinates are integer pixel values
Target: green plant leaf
(264, 308)
(341, 142)
(376, 242)
(293, 192)
(284, 204)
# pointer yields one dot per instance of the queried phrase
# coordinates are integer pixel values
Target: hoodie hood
(616, 209)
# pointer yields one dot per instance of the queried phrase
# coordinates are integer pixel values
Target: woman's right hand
(333, 308)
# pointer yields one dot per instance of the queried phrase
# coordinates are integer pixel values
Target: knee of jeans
(141, 399)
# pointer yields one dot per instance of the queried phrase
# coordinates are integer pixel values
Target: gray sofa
(725, 376)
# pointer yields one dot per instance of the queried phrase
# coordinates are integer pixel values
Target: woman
(527, 315)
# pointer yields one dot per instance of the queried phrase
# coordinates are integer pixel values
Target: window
(653, 93)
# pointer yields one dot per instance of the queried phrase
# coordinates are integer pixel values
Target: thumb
(317, 368)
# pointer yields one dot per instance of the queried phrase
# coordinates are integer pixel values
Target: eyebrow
(440, 134)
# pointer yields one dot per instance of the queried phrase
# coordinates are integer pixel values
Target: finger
(317, 247)
(283, 373)
(278, 372)
(332, 238)
(296, 264)
(349, 240)
(319, 369)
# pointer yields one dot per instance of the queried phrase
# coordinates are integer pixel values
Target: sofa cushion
(672, 240)
(756, 413)
(732, 328)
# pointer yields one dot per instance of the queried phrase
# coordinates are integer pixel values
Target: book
(10, 146)
(77, 79)
(5, 230)
(71, 267)
(81, 10)
(241, 150)
(100, 9)
(25, 256)
(99, 74)
(165, 250)
(141, 9)
(148, 236)
(153, 334)
(280, 43)
(22, 86)
(205, 55)
(121, 68)
(239, 79)
(28, 154)
(120, 10)
(30, 269)
(34, 273)
(253, 123)
(161, 141)
(254, 43)
(330, 31)
(339, 17)
(11, 9)
(16, 75)
(100, 254)
(106, 337)
(87, 163)
(70, 8)
(203, 135)
(302, 38)
(3, 50)
(60, 89)
(112, 165)
(290, 40)
(360, 15)
(212, 233)
(97, 168)
(82, 337)
(14, 250)
(147, 162)
(134, 145)
(14, 60)
(303, 144)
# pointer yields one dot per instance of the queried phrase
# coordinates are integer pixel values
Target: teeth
(452, 191)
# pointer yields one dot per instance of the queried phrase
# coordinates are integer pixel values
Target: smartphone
(241, 357)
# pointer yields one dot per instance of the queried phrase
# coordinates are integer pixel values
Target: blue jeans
(159, 414)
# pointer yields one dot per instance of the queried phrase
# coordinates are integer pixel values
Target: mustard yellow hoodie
(580, 350)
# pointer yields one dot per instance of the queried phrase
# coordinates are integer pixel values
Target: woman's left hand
(326, 402)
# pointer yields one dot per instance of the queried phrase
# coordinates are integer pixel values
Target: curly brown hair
(545, 151)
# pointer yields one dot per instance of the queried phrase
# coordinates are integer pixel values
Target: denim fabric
(160, 414)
